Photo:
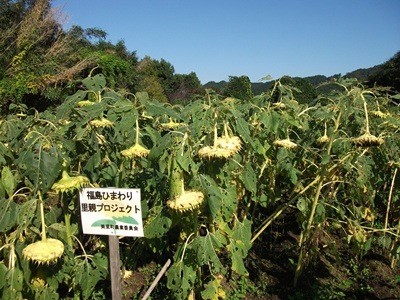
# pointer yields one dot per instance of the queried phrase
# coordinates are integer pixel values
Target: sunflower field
(214, 176)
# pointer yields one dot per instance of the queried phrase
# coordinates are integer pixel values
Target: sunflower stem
(393, 262)
(366, 114)
(137, 132)
(390, 199)
(306, 234)
(176, 180)
(67, 220)
(226, 129)
(44, 238)
(215, 135)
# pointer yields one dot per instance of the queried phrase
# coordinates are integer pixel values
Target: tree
(148, 79)
(186, 87)
(115, 62)
(37, 55)
(239, 87)
(388, 74)
(303, 91)
(159, 80)
(165, 74)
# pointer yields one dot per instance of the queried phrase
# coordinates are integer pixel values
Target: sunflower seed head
(368, 140)
(188, 201)
(285, 143)
(135, 151)
(44, 252)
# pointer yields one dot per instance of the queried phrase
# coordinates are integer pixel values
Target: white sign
(111, 211)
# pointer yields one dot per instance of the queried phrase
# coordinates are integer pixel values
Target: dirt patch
(334, 270)
(135, 283)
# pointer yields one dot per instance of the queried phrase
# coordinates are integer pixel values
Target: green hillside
(362, 75)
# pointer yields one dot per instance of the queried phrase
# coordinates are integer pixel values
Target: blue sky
(222, 38)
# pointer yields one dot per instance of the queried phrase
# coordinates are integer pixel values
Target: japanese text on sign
(111, 211)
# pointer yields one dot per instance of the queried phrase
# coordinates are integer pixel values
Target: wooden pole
(115, 270)
(160, 274)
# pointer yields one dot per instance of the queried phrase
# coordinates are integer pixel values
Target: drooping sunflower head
(208, 152)
(223, 148)
(171, 125)
(323, 139)
(38, 283)
(232, 143)
(357, 233)
(44, 252)
(187, 201)
(70, 183)
(368, 214)
(279, 105)
(368, 140)
(135, 151)
(379, 114)
(285, 143)
(101, 123)
(84, 103)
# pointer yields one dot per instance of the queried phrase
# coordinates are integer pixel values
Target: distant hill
(260, 87)
(364, 74)
(216, 86)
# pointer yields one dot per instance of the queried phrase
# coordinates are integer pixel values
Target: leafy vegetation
(217, 169)
(41, 64)
(388, 74)
(211, 185)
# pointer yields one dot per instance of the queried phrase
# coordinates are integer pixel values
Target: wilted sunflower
(214, 152)
(379, 114)
(38, 282)
(188, 201)
(224, 147)
(279, 105)
(358, 233)
(135, 151)
(368, 214)
(101, 123)
(285, 143)
(171, 125)
(323, 139)
(64, 122)
(70, 183)
(367, 140)
(232, 143)
(46, 251)
(84, 103)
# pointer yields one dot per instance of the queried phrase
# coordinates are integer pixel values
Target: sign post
(113, 212)
(115, 268)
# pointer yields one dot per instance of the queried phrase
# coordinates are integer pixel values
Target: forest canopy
(41, 63)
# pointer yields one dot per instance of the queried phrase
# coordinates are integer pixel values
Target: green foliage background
(333, 183)
(299, 156)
